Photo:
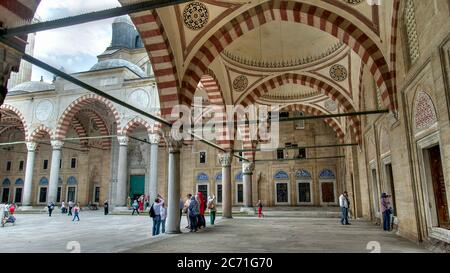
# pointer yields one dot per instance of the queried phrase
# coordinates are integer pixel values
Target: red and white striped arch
(11, 109)
(39, 133)
(291, 78)
(212, 88)
(393, 49)
(291, 11)
(100, 123)
(76, 106)
(161, 57)
(134, 123)
(80, 130)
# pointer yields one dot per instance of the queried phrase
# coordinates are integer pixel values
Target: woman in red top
(202, 206)
(12, 208)
(141, 203)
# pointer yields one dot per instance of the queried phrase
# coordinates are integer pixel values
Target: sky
(74, 48)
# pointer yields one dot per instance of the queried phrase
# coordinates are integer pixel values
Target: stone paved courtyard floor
(122, 233)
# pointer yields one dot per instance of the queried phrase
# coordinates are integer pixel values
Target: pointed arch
(18, 113)
(134, 123)
(292, 11)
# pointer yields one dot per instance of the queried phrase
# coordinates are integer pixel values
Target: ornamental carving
(154, 138)
(225, 160)
(195, 15)
(330, 105)
(57, 144)
(240, 83)
(338, 72)
(123, 140)
(31, 146)
(248, 167)
(425, 113)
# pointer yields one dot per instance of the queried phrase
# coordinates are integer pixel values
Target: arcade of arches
(310, 57)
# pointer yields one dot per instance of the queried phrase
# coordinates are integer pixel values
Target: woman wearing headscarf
(193, 212)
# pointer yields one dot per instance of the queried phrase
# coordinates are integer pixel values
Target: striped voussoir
(40, 132)
(317, 112)
(15, 111)
(247, 142)
(292, 11)
(134, 123)
(224, 138)
(100, 123)
(161, 57)
(76, 106)
(291, 78)
(80, 130)
(393, 49)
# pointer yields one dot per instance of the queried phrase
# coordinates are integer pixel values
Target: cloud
(76, 47)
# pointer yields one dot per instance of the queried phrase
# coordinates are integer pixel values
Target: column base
(25, 208)
(173, 232)
(120, 210)
(248, 210)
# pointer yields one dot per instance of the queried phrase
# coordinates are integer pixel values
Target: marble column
(247, 171)
(173, 198)
(225, 160)
(54, 171)
(154, 140)
(28, 184)
(122, 171)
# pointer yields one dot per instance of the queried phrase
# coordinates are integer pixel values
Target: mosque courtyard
(277, 232)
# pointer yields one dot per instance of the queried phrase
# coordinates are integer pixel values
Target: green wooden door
(137, 186)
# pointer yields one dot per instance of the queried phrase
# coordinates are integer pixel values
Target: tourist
(141, 203)
(344, 203)
(12, 208)
(50, 207)
(63, 207)
(163, 213)
(202, 207)
(181, 207)
(193, 211)
(106, 207)
(147, 203)
(386, 211)
(186, 209)
(260, 207)
(76, 211)
(155, 213)
(71, 204)
(128, 202)
(212, 208)
(135, 207)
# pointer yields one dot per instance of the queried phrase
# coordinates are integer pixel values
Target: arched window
(219, 187)
(43, 181)
(6, 182)
(19, 182)
(71, 180)
(281, 187)
(202, 177)
(304, 185)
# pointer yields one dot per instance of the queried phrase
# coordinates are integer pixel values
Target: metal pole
(89, 17)
(300, 159)
(300, 147)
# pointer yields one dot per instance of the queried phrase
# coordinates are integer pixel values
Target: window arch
(43, 181)
(71, 180)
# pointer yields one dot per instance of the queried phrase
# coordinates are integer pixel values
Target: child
(76, 211)
(260, 206)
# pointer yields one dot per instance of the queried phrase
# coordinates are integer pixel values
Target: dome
(123, 19)
(32, 86)
(115, 63)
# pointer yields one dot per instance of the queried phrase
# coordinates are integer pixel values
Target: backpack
(152, 212)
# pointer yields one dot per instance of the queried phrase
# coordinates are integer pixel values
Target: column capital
(225, 159)
(174, 145)
(57, 144)
(154, 138)
(31, 146)
(123, 140)
(248, 167)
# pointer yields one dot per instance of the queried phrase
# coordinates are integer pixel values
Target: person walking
(186, 209)
(106, 207)
(76, 212)
(344, 203)
(71, 204)
(260, 207)
(50, 207)
(63, 207)
(147, 203)
(135, 207)
(163, 212)
(386, 211)
(12, 209)
(212, 208)
(141, 203)
(193, 212)
(202, 207)
(155, 213)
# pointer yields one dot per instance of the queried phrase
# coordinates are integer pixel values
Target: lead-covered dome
(32, 86)
(115, 63)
